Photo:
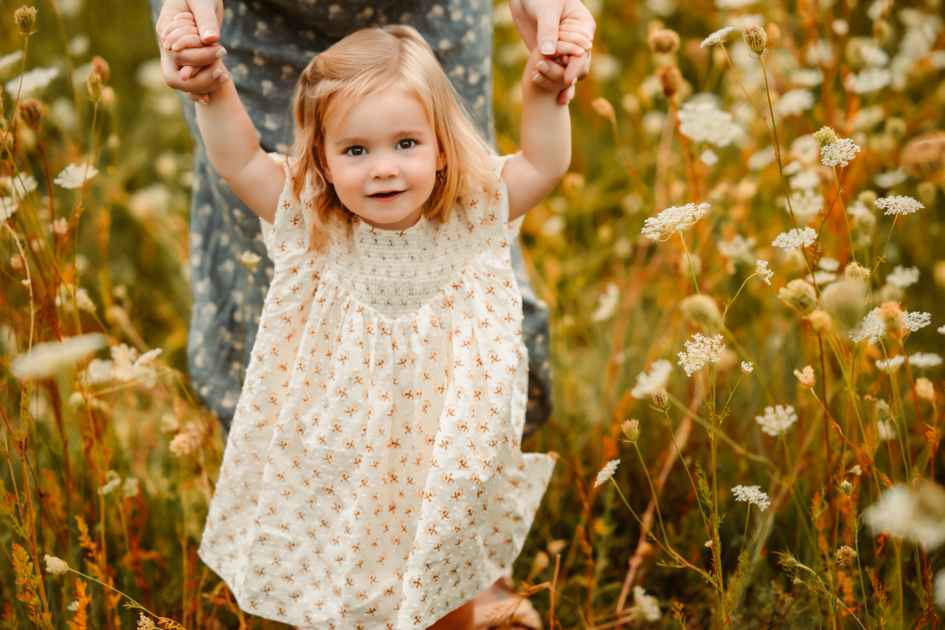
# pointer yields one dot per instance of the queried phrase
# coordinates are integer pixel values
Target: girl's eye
(354, 151)
(407, 144)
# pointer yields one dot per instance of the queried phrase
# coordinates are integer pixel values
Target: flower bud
(100, 66)
(670, 78)
(660, 400)
(845, 555)
(94, 84)
(924, 389)
(825, 137)
(31, 112)
(892, 316)
(845, 301)
(807, 378)
(867, 197)
(820, 321)
(603, 107)
(25, 20)
(703, 311)
(54, 565)
(631, 431)
(846, 488)
(663, 41)
(799, 295)
(756, 39)
(923, 157)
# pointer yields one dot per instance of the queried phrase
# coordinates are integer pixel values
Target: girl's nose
(383, 168)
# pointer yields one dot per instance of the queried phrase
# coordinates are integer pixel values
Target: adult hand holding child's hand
(189, 30)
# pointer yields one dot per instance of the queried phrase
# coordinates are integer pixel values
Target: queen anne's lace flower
(701, 120)
(700, 352)
(916, 320)
(55, 565)
(776, 420)
(903, 277)
(753, 495)
(840, 152)
(747, 367)
(35, 79)
(794, 239)
(899, 204)
(606, 472)
(75, 176)
(656, 379)
(717, 37)
(869, 80)
(8, 206)
(916, 514)
(872, 328)
(674, 219)
(924, 360)
(761, 268)
(890, 365)
(794, 103)
(645, 605)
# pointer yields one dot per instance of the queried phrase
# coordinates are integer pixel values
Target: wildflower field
(747, 285)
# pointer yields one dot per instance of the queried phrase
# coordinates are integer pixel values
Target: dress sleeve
(500, 200)
(286, 238)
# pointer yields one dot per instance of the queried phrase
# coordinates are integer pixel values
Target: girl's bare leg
(459, 619)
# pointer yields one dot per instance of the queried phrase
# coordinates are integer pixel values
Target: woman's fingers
(203, 56)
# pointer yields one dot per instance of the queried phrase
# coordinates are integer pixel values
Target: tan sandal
(501, 608)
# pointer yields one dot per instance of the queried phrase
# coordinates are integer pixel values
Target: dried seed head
(826, 136)
(924, 389)
(702, 311)
(663, 41)
(670, 78)
(846, 488)
(100, 66)
(807, 378)
(856, 271)
(94, 83)
(820, 321)
(845, 555)
(799, 295)
(25, 20)
(923, 157)
(660, 400)
(54, 565)
(31, 112)
(603, 107)
(867, 197)
(892, 316)
(756, 39)
(631, 431)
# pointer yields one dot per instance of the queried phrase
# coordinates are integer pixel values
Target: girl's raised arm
(533, 172)
(233, 148)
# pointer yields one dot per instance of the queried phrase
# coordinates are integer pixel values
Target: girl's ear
(441, 161)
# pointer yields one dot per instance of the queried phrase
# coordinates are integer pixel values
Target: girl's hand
(181, 33)
(573, 39)
(550, 74)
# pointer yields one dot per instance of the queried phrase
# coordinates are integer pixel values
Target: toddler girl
(373, 476)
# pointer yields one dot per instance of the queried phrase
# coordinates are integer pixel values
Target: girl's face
(382, 158)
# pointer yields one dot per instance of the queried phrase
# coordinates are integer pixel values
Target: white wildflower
(888, 179)
(873, 55)
(869, 80)
(806, 147)
(55, 565)
(828, 264)
(130, 488)
(717, 37)
(913, 321)
(8, 206)
(250, 260)
(23, 185)
(903, 277)
(739, 248)
(83, 301)
(74, 606)
(839, 152)
(806, 204)
(34, 80)
(795, 239)
(914, 514)
(940, 330)
(807, 77)
(886, 430)
(806, 377)
(8, 61)
(747, 367)
(709, 157)
(890, 365)
(776, 420)
(606, 472)
(607, 303)
(761, 158)
(899, 204)
(871, 328)
(656, 379)
(645, 605)
(753, 495)
(700, 352)
(761, 268)
(794, 103)
(60, 227)
(674, 219)
(75, 176)
(821, 277)
(805, 180)
(112, 482)
(45, 359)
(701, 120)
(924, 360)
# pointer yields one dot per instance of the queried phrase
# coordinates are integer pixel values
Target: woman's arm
(533, 172)
(233, 148)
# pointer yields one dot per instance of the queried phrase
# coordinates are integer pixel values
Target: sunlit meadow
(747, 285)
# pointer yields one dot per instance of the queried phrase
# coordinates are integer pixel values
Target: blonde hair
(361, 64)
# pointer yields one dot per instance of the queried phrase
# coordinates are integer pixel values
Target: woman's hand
(192, 65)
(539, 22)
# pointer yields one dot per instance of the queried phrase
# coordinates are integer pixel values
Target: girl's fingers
(575, 27)
(186, 72)
(552, 71)
(575, 38)
(206, 79)
(567, 48)
(175, 24)
(548, 84)
(198, 98)
(191, 40)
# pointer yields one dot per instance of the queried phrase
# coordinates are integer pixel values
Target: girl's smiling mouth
(387, 196)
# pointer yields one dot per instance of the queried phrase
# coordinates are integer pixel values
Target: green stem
(836, 179)
(691, 269)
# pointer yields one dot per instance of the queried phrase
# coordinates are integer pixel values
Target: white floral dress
(373, 476)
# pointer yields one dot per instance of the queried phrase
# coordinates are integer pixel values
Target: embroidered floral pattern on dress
(373, 476)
